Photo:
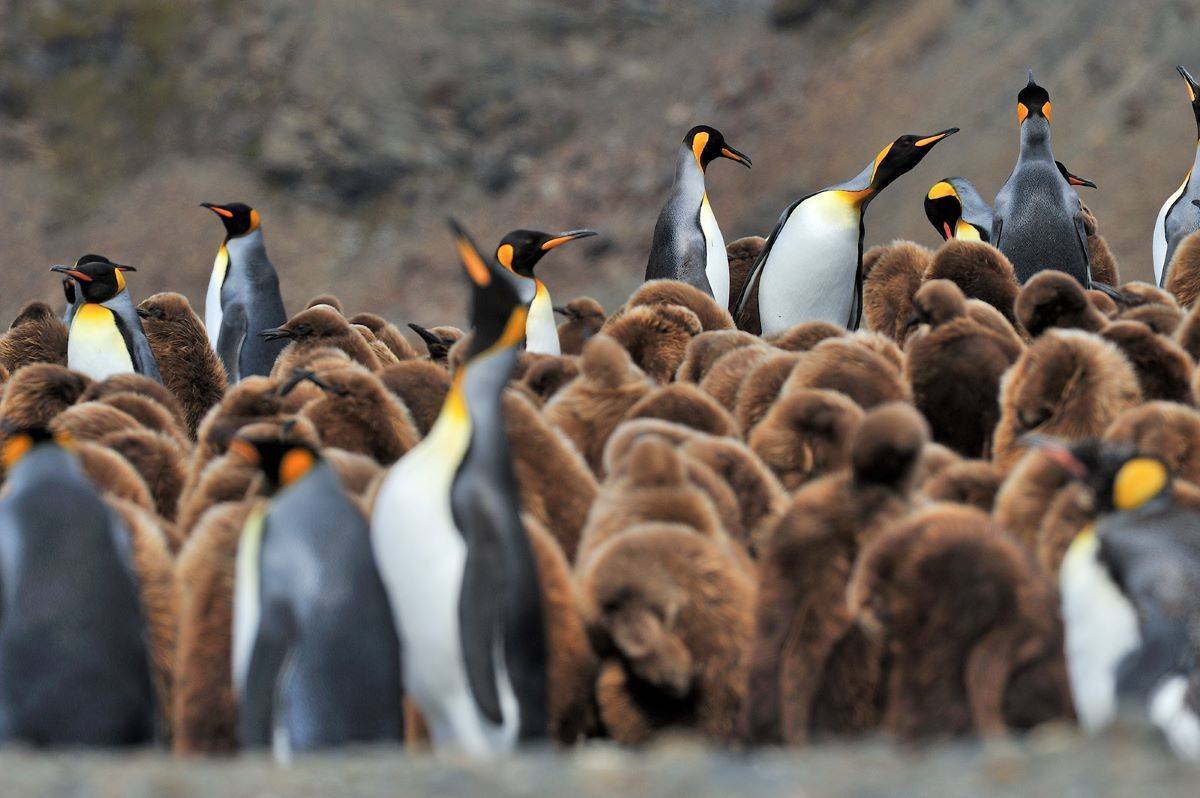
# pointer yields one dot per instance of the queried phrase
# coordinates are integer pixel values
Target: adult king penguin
(316, 659)
(243, 296)
(1179, 217)
(74, 663)
(1037, 220)
(106, 335)
(519, 252)
(687, 244)
(452, 550)
(956, 210)
(810, 269)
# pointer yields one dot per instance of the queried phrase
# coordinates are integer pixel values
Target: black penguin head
(98, 278)
(520, 250)
(1074, 180)
(238, 217)
(943, 207)
(499, 298)
(707, 144)
(1033, 102)
(1118, 476)
(282, 462)
(20, 441)
(902, 155)
(1193, 89)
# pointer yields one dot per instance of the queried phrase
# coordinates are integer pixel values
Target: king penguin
(106, 335)
(687, 244)
(243, 296)
(1179, 217)
(316, 658)
(1037, 220)
(452, 549)
(519, 252)
(810, 269)
(956, 210)
(74, 662)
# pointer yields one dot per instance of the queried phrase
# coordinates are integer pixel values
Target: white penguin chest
(212, 302)
(716, 264)
(541, 333)
(810, 271)
(95, 346)
(246, 608)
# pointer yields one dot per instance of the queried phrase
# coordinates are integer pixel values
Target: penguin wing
(479, 605)
(230, 338)
(138, 347)
(756, 272)
(1081, 233)
(999, 211)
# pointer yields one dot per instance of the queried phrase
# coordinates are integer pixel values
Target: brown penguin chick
(36, 393)
(971, 482)
(853, 366)
(1147, 294)
(358, 414)
(326, 299)
(653, 293)
(584, 318)
(955, 368)
(149, 413)
(724, 379)
(382, 353)
(113, 475)
(805, 335)
(707, 348)
(804, 567)
(157, 459)
(806, 434)
(761, 387)
(671, 617)
(974, 640)
(935, 458)
(1187, 334)
(36, 335)
(191, 371)
(1163, 369)
(986, 315)
(591, 406)
(1067, 384)
(387, 333)
(1162, 319)
(1026, 494)
(656, 336)
(421, 385)
(1103, 264)
(1055, 299)
(686, 404)
(980, 271)
(891, 275)
(357, 472)
(1102, 302)
(319, 326)
(742, 254)
(1166, 430)
(1183, 279)
(437, 340)
(140, 385)
(547, 374)
(91, 421)
(1067, 514)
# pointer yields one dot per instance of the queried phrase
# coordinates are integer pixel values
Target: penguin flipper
(143, 356)
(230, 338)
(257, 704)
(1081, 234)
(479, 619)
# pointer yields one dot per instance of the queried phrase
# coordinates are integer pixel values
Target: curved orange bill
(929, 141)
(71, 272)
(563, 238)
(217, 209)
(734, 155)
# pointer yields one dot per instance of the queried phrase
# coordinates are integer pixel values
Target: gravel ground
(1051, 763)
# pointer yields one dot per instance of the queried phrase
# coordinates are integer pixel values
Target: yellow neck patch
(965, 231)
(1138, 481)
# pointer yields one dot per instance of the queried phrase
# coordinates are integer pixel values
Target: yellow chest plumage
(95, 346)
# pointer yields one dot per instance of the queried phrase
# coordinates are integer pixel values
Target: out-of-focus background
(356, 126)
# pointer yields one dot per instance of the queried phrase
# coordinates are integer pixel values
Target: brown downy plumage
(547, 374)
(357, 413)
(743, 254)
(656, 336)
(806, 434)
(159, 461)
(91, 421)
(653, 293)
(856, 366)
(36, 335)
(1187, 335)
(584, 318)
(954, 369)
(1104, 265)
(437, 340)
(686, 404)
(1148, 294)
(1162, 319)
(671, 616)
(972, 629)
(805, 335)
(1166, 430)
(724, 379)
(761, 387)
(142, 386)
(387, 333)
(935, 458)
(1055, 299)
(113, 475)
(149, 413)
(383, 354)
(357, 472)
(422, 386)
(1068, 384)
(318, 327)
(326, 299)
(36, 393)
(980, 271)
(1026, 493)
(971, 482)
(804, 568)
(891, 275)
(1184, 272)
(707, 348)
(1102, 302)
(589, 408)
(190, 369)
(1163, 369)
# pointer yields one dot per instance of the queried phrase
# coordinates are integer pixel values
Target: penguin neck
(861, 189)
(689, 177)
(246, 249)
(1035, 140)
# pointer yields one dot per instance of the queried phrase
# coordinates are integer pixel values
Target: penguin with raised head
(687, 244)
(811, 266)
(1037, 221)
(243, 296)
(955, 209)
(106, 335)
(74, 658)
(1178, 217)
(453, 552)
(316, 660)
(519, 251)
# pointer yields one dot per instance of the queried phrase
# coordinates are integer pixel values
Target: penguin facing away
(452, 550)
(688, 245)
(243, 295)
(519, 251)
(955, 209)
(106, 335)
(1178, 217)
(74, 659)
(316, 658)
(811, 266)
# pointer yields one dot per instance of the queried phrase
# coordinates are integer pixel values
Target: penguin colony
(788, 492)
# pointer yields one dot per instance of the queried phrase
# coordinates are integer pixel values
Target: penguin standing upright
(1179, 217)
(106, 335)
(243, 296)
(1037, 220)
(519, 251)
(452, 549)
(74, 661)
(810, 269)
(956, 210)
(316, 659)
(687, 244)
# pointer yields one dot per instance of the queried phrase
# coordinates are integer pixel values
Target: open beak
(929, 141)
(1192, 86)
(734, 155)
(1057, 451)
(563, 238)
(72, 272)
(217, 209)
(276, 334)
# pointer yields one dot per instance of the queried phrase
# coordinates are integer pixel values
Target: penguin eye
(303, 329)
(1029, 419)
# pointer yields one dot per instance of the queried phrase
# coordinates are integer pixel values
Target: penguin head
(943, 207)
(707, 144)
(1033, 102)
(311, 324)
(902, 155)
(282, 462)
(1074, 180)
(1193, 89)
(1120, 478)
(20, 441)
(238, 217)
(520, 250)
(98, 278)
(499, 298)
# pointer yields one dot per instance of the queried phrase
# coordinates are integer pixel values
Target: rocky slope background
(356, 126)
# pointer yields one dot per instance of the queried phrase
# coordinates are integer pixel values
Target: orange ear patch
(1047, 111)
(295, 464)
(699, 142)
(504, 254)
(15, 448)
(1022, 112)
(255, 219)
